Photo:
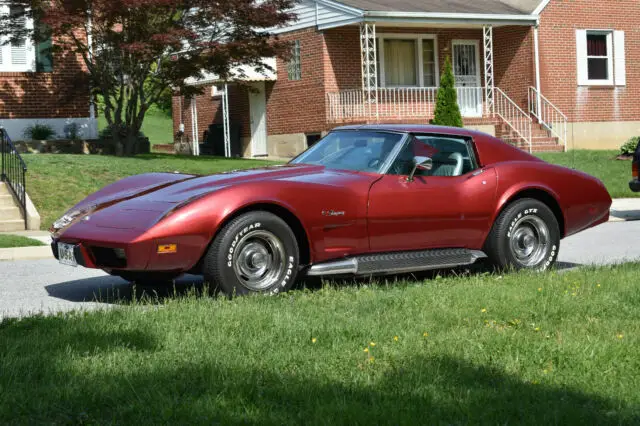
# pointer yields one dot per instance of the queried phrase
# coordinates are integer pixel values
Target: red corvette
(365, 200)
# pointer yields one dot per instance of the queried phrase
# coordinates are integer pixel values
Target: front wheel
(526, 235)
(256, 253)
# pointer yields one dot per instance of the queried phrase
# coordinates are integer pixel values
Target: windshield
(363, 151)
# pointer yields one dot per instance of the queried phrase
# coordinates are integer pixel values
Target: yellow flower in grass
(620, 336)
(598, 285)
(483, 310)
(372, 344)
(539, 288)
(425, 334)
(372, 359)
(395, 338)
(313, 340)
(366, 349)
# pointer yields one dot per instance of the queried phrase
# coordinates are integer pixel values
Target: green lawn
(615, 174)
(157, 126)
(56, 182)
(554, 348)
(10, 241)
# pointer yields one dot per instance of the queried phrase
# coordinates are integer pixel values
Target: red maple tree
(135, 50)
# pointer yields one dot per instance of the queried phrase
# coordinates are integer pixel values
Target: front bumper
(634, 185)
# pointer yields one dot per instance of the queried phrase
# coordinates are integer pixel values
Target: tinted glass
(364, 151)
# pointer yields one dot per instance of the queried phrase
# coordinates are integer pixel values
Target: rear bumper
(634, 185)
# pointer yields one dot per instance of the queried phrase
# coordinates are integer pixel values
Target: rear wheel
(526, 235)
(256, 253)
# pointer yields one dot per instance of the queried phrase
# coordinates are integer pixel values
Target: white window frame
(419, 57)
(5, 50)
(609, 57)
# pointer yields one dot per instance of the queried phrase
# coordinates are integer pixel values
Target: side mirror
(422, 163)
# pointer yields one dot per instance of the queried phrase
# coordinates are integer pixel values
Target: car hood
(140, 200)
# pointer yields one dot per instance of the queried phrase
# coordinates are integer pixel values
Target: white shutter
(581, 57)
(619, 58)
(18, 48)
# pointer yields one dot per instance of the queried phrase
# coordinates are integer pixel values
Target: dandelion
(313, 340)
(395, 338)
(537, 329)
(483, 310)
(366, 350)
(598, 285)
(371, 360)
(620, 336)
(372, 344)
(539, 288)
(425, 334)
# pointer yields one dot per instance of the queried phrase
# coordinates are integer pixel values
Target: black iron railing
(14, 172)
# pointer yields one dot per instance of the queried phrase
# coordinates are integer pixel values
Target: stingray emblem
(332, 213)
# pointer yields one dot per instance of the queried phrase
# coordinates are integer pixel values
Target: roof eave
(439, 18)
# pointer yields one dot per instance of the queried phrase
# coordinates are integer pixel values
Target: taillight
(634, 170)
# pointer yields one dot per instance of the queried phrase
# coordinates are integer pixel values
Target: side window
(452, 156)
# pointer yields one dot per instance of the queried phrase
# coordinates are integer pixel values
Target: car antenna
(573, 141)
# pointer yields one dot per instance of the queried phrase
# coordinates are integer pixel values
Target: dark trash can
(214, 141)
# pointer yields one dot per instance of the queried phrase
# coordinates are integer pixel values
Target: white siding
(312, 14)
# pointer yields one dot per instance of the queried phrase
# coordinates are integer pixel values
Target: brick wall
(514, 62)
(63, 93)
(299, 106)
(210, 111)
(557, 39)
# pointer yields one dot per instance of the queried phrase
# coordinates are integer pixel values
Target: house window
(407, 60)
(21, 55)
(601, 57)
(294, 68)
(598, 56)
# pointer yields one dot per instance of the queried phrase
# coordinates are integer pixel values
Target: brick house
(545, 75)
(41, 86)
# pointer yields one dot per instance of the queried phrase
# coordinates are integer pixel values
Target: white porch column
(487, 31)
(194, 127)
(225, 121)
(368, 57)
(537, 53)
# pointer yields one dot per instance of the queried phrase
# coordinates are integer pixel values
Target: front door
(466, 70)
(258, 116)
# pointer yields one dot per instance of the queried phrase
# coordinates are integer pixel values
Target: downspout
(537, 54)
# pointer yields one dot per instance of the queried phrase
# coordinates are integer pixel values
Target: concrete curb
(26, 253)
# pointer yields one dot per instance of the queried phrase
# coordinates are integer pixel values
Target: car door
(448, 206)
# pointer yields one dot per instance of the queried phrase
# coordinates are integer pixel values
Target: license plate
(65, 254)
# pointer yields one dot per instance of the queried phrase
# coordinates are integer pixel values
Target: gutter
(436, 17)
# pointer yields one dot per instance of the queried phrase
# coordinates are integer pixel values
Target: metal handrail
(513, 115)
(548, 115)
(13, 172)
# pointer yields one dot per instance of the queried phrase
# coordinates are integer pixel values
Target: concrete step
(11, 225)
(542, 148)
(7, 201)
(10, 213)
(3, 189)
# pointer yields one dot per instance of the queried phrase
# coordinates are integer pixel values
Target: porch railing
(13, 172)
(395, 103)
(548, 115)
(513, 115)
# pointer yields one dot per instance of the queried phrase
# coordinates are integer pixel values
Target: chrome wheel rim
(530, 241)
(258, 260)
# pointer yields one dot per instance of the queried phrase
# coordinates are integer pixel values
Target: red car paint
(381, 213)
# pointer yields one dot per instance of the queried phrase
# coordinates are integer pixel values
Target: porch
(399, 71)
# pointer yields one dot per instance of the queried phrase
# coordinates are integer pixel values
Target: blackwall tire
(526, 236)
(256, 253)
